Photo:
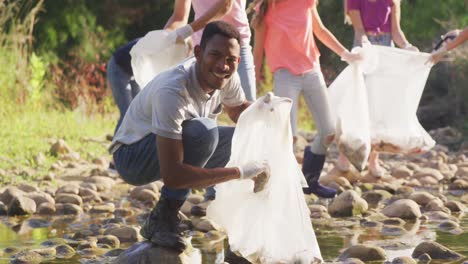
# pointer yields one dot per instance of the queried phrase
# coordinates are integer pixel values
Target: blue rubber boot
(312, 166)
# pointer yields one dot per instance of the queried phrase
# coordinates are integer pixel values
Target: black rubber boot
(162, 225)
(312, 166)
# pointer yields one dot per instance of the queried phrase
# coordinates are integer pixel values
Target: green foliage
(36, 83)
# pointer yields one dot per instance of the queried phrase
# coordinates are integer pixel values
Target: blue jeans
(205, 145)
(246, 71)
(123, 87)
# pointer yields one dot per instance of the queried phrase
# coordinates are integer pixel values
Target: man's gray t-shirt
(171, 98)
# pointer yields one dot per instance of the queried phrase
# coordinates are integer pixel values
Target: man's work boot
(312, 166)
(162, 225)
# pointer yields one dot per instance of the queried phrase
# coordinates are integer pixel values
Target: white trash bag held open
(273, 225)
(156, 52)
(394, 90)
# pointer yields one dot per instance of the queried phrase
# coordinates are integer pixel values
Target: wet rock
(436, 205)
(22, 206)
(403, 208)
(123, 212)
(435, 251)
(373, 198)
(424, 258)
(46, 252)
(11, 250)
(401, 172)
(364, 253)
(3, 209)
(66, 198)
(103, 208)
(147, 253)
(40, 197)
(46, 209)
(394, 221)
(437, 216)
(102, 183)
(68, 188)
(353, 261)
(64, 251)
(83, 234)
(9, 194)
(27, 188)
(198, 210)
(348, 203)
(428, 172)
(390, 230)
(206, 225)
(455, 206)
(59, 147)
(110, 240)
(448, 225)
(459, 184)
(318, 211)
(68, 209)
(54, 242)
(196, 199)
(186, 208)
(145, 195)
(404, 260)
(26, 257)
(124, 233)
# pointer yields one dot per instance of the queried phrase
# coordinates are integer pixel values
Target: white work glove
(259, 172)
(408, 46)
(183, 33)
(350, 57)
(437, 56)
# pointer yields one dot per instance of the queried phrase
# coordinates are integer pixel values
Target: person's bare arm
(217, 11)
(180, 15)
(461, 38)
(397, 33)
(235, 111)
(176, 174)
(359, 30)
(324, 35)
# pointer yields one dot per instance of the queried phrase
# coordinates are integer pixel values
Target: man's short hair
(219, 28)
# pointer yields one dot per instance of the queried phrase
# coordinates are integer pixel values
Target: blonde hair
(257, 17)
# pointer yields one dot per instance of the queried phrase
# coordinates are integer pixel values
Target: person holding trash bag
(375, 22)
(458, 38)
(284, 34)
(169, 131)
(230, 11)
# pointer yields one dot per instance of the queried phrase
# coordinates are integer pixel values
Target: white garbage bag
(156, 52)
(273, 225)
(348, 98)
(376, 100)
(394, 90)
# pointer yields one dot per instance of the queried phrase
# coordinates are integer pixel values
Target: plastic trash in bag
(348, 98)
(394, 90)
(376, 101)
(156, 52)
(273, 225)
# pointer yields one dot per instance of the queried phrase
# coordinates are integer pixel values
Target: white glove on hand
(253, 168)
(350, 57)
(183, 33)
(257, 171)
(410, 47)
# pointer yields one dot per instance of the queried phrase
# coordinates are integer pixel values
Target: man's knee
(202, 132)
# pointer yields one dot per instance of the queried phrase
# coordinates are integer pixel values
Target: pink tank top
(236, 17)
(289, 38)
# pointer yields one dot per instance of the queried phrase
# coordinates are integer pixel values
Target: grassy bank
(25, 134)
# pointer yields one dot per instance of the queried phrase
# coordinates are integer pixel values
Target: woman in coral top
(284, 33)
(375, 22)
